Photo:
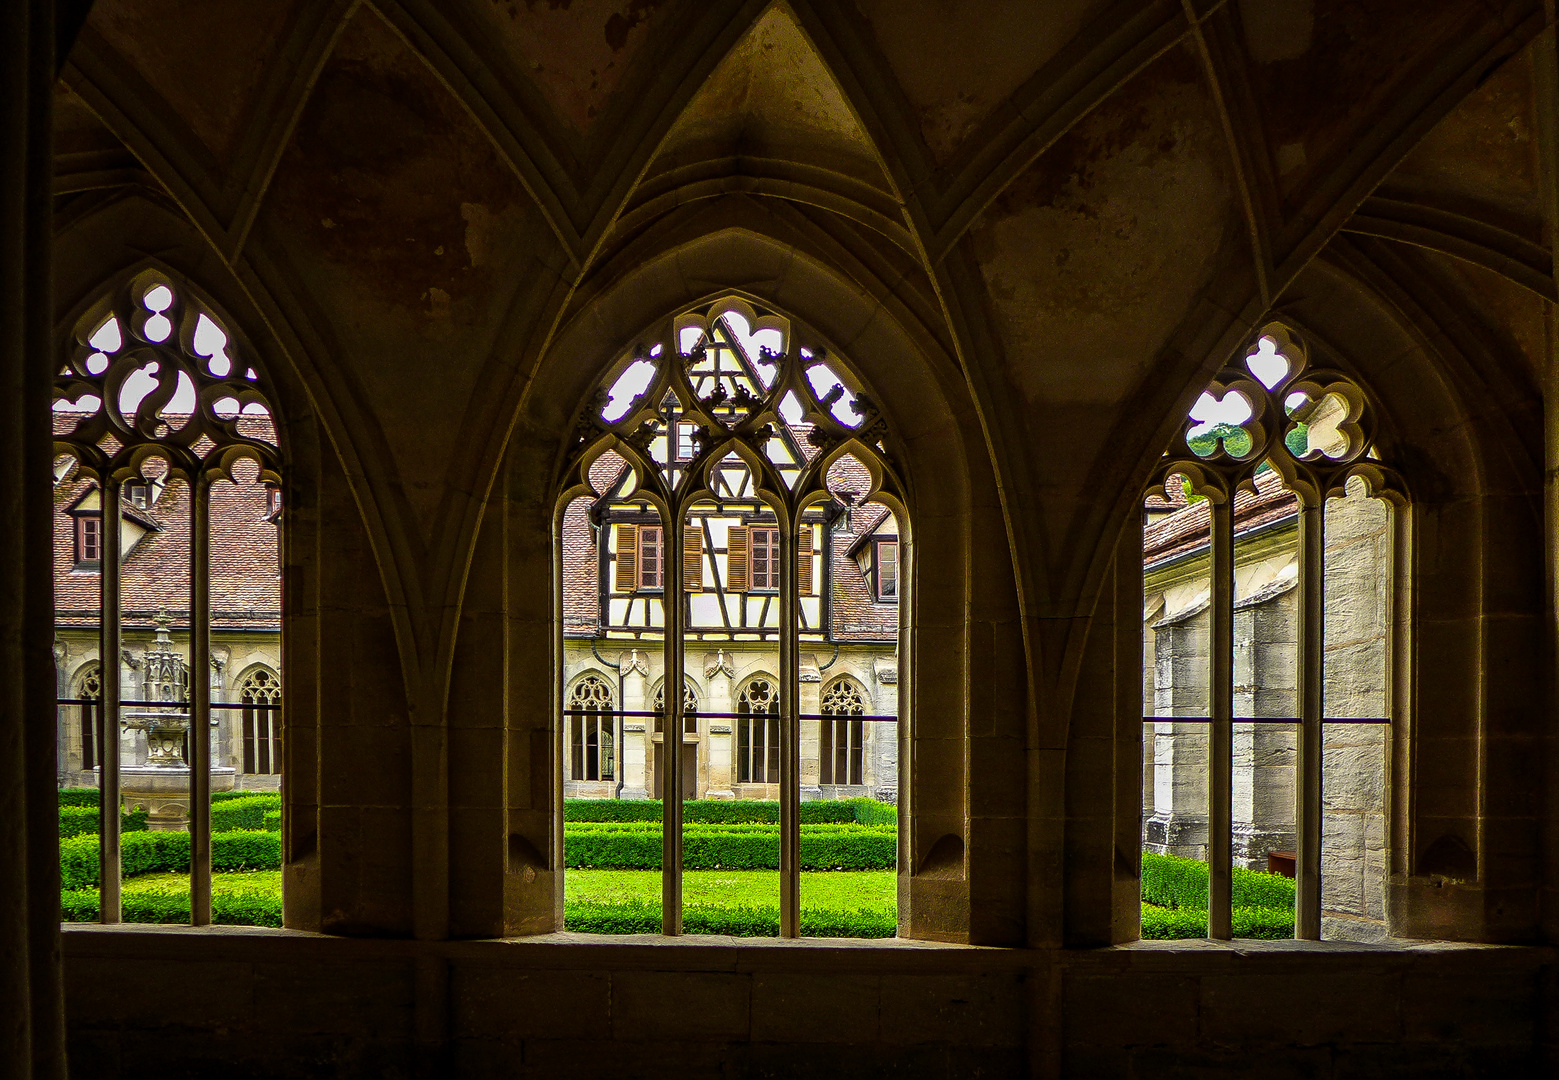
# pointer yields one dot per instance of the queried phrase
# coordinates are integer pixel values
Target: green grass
(843, 890)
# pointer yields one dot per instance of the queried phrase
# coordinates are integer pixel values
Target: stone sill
(709, 952)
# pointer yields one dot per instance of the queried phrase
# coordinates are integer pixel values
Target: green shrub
(643, 917)
(80, 796)
(630, 846)
(241, 793)
(82, 820)
(246, 812)
(1161, 923)
(737, 812)
(167, 852)
(273, 821)
(170, 904)
(1170, 881)
(1247, 922)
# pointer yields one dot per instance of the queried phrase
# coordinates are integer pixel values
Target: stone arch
(942, 458)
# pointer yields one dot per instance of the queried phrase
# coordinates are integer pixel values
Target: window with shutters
(89, 541)
(650, 576)
(720, 487)
(763, 557)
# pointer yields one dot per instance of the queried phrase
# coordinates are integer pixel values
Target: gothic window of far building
(89, 690)
(842, 746)
(590, 720)
(260, 693)
(757, 733)
(689, 710)
(1271, 557)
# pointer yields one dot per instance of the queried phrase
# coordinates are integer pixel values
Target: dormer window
(879, 563)
(886, 581)
(89, 541)
(139, 494)
(272, 503)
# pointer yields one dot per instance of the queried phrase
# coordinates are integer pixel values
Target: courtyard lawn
(843, 890)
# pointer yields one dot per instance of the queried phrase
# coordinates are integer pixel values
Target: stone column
(32, 1023)
(719, 666)
(810, 731)
(880, 771)
(635, 749)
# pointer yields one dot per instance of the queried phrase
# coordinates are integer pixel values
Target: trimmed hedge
(1248, 922)
(273, 821)
(727, 848)
(1169, 881)
(171, 905)
(643, 917)
(80, 796)
(654, 828)
(247, 812)
(167, 852)
(737, 812)
(83, 820)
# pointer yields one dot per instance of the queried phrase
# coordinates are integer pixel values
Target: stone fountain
(160, 784)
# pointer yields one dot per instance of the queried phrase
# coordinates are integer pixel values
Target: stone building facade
(246, 661)
(1358, 569)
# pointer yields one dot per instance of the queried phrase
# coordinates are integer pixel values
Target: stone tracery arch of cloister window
(725, 402)
(1270, 574)
(843, 741)
(154, 389)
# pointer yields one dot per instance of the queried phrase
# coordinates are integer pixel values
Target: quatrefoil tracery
(1314, 427)
(151, 374)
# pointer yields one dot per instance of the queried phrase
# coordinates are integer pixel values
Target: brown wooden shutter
(627, 558)
(737, 567)
(692, 558)
(804, 560)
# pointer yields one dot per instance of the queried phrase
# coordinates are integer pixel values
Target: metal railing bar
(261, 706)
(723, 715)
(1266, 720)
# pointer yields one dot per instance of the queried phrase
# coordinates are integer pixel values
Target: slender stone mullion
(790, 729)
(672, 601)
(1220, 742)
(109, 647)
(1312, 633)
(200, 702)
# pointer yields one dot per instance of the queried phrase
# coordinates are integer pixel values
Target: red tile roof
(245, 569)
(1186, 530)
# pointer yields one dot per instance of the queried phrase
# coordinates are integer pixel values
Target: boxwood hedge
(1248, 922)
(246, 812)
(643, 917)
(1169, 881)
(170, 904)
(167, 852)
(724, 848)
(82, 820)
(737, 812)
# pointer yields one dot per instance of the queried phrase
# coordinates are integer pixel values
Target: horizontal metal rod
(258, 705)
(729, 715)
(1266, 720)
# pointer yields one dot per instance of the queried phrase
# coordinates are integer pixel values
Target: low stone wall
(173, 1002)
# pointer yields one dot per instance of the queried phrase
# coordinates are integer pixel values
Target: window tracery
(722, 407)
(591, 743)
(89, 688)
(842, 745)
(151, 388)
(262, 726)
(757, 733)
(1270, 432)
